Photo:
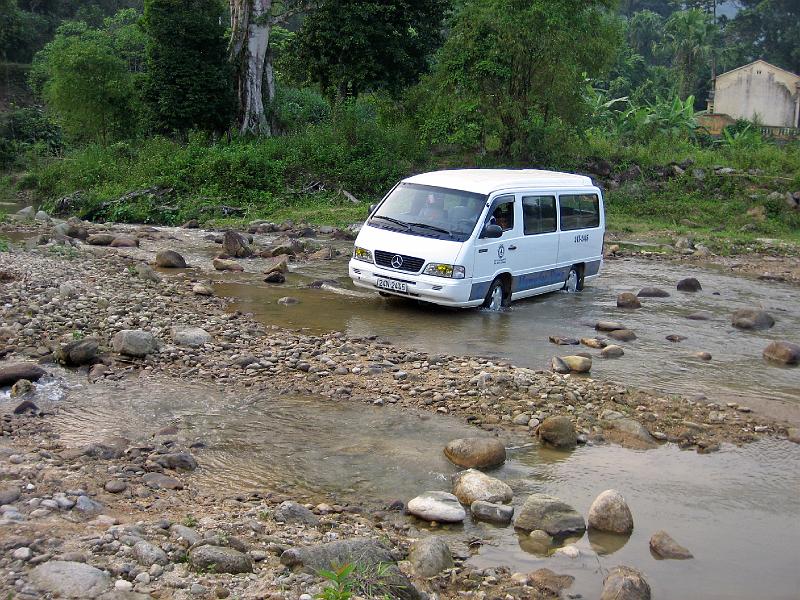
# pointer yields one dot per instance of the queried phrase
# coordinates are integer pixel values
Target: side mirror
(372, 208)
(492, 230)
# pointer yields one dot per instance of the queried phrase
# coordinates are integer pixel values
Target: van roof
(486, 181)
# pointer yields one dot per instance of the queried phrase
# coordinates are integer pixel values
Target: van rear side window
(539, 214)
(579, 211)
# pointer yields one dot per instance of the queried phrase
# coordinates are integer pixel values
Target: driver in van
(503, 216)
(434, 208)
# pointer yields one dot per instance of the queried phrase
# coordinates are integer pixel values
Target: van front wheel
(573, 283)
(495, 297)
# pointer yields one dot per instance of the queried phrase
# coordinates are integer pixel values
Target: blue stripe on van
(479, 290)
(530, 281)
(592, 268)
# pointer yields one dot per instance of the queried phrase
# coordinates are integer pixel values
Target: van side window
(579, 211)
(539, 214)
(503, 213)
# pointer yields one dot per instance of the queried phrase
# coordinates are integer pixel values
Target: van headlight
(362, 254)
(442, 270)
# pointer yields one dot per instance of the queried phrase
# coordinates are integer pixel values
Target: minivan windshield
(430, 211)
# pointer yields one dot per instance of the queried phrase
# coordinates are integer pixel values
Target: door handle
(482, 250)
(512, 247)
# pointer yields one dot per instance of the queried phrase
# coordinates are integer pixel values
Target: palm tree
(691, 36)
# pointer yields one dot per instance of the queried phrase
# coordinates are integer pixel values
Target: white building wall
(759, 91)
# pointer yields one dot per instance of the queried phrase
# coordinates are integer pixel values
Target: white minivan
(482, 237)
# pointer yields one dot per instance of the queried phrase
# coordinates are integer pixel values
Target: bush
(297, 108)
(24, 131)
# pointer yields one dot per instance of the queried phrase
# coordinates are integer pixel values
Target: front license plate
(392, 285)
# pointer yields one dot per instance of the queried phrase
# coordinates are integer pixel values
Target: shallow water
(737, 510)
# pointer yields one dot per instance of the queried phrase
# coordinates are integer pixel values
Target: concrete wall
(758, 91)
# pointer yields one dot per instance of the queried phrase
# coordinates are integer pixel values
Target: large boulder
(690, 284)
(549, 514)
(69, 579)
(663, 546)
(235, 245)
(628, 300)
(784, 353)
(437, 506)
(78, 353)
(134, 342)
(558, 431)
(476, 453)
(220, 559)
(12, 373)
(472, 485)
(752, 319)
(169, 259)
(609, 512)
(193, 337)
(625, 583)
(430, 556)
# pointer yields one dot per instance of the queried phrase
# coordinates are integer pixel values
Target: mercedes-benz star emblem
(397, 261)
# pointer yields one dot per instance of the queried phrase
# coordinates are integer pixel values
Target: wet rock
(100, 239)
(562, 341)
(784, 353)
(491, 512)
(11, 373)
(609, 512)
(134, 342)
(203, 289)
(577, 364)
(69, 579)
(550, 514)
(594, 342)
(476, 453)
(430, 556)
(148, 554)
(108, 448)
(674, 337)
(653, 292)
(161, 481)
(608, 326)
(549, 582)
(235, 245)
(663, 546)
(437, 506)
(192, 337)
(275, 277)
(22, 387)
(277, 264)
(288, 301)
(629, 433)
(169, 259)
(78, 353)
(690, 284)
(622, 335)
(9, 494)
(628, 300)
(220, 559)
(124, 241)
(702, 355)
(292, 512)
(178, 461)
(558, 431)
(625, 583)
(223, 264)
(612, 351)
(752, 319)
(472, 485)
(26, 406)
(700, 315)
(559, 366)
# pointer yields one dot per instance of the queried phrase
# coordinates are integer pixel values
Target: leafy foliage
(25, 130)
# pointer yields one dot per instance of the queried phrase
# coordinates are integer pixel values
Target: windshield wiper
(432, 227)
(391, 220)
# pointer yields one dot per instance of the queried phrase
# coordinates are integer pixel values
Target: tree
(512, 69)
(768, 29)
(646, 34)
(692, 37)
(188, 82)
(350, 46)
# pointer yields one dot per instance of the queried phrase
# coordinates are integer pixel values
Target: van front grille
(390, 260)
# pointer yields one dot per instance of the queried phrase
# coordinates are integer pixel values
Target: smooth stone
(785, 353)
(9, 494)
(11, 373)
(491, 512)
(558, 431)
(608, 326)
(441, 507)
(472, 485)
(612, 351)
(653, 292)
(203, 289)
(220, 559)
(161, 481)
(549, 582)
(609, 512)
(189, 535)
(690, 284)
(664, 546)
(550, 514)
(674, 337)
(622, 335)
(115, 486)
(191, 337)
(288, 300)
(752, 319)
(700, 315)
(69, 579)
(87, 506)
(629, 433)
(292, 512)
(148, 554)
(577, 364)
(476, 453)
(562, 341)
(625, 583)
(430, 556)
(134, 342)
(177, 461)
(628, 300)
(169, 259)
(100, 239)
(222, 264)
(594, 342)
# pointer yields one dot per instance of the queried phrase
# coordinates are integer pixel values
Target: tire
(496, 296)
(574, 281)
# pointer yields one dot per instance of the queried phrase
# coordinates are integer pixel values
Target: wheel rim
(572, 281)
(496, 299)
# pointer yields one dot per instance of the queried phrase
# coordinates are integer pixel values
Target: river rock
(625, 583)
(784, 353)
(491, 512)
(277, 264)
(11, 373)
(187, 534)
(549, 582)
(752, 319)
(563, 341)
(169, 259)
(177, 461)
(69, 579)
(115, 486)
(160, 481)
(609, 512)
(223, 264)
(148, 554)
(78, 353)
(124, 241)
(288, 301)
(594, 342)
(87, 506)
(558, 431)
(608, 326)
(549, 514)
(577, 364)
(629, 433)
(9, 494)
(26, 213)
(663, 546)
(134, 342)
(559, 366)
(203, 289)
(612, 351)
(430, 556)
(652, 292)
(220, 559)
(702, 355)
(622, 335)
(192, 337)
(100, 239)
(437, 506)
(147, 273)
(628, 300)
(235, 245)
(292, 512)
(476, 453)
(275, 277)
(472, 485)
(674, 337)
(690, 284)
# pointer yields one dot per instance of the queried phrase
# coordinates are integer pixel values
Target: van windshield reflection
(430, 211)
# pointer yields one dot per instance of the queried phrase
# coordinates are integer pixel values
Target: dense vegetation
(140, 119)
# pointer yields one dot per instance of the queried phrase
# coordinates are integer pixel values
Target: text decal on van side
(583, 237)
(501, 255)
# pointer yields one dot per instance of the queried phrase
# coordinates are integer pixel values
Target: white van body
(436, 237)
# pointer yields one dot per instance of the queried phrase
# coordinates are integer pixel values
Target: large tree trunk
(250, 30)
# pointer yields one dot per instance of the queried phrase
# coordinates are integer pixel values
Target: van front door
(496, 255)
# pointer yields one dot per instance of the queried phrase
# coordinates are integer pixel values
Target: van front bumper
(438, 290)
